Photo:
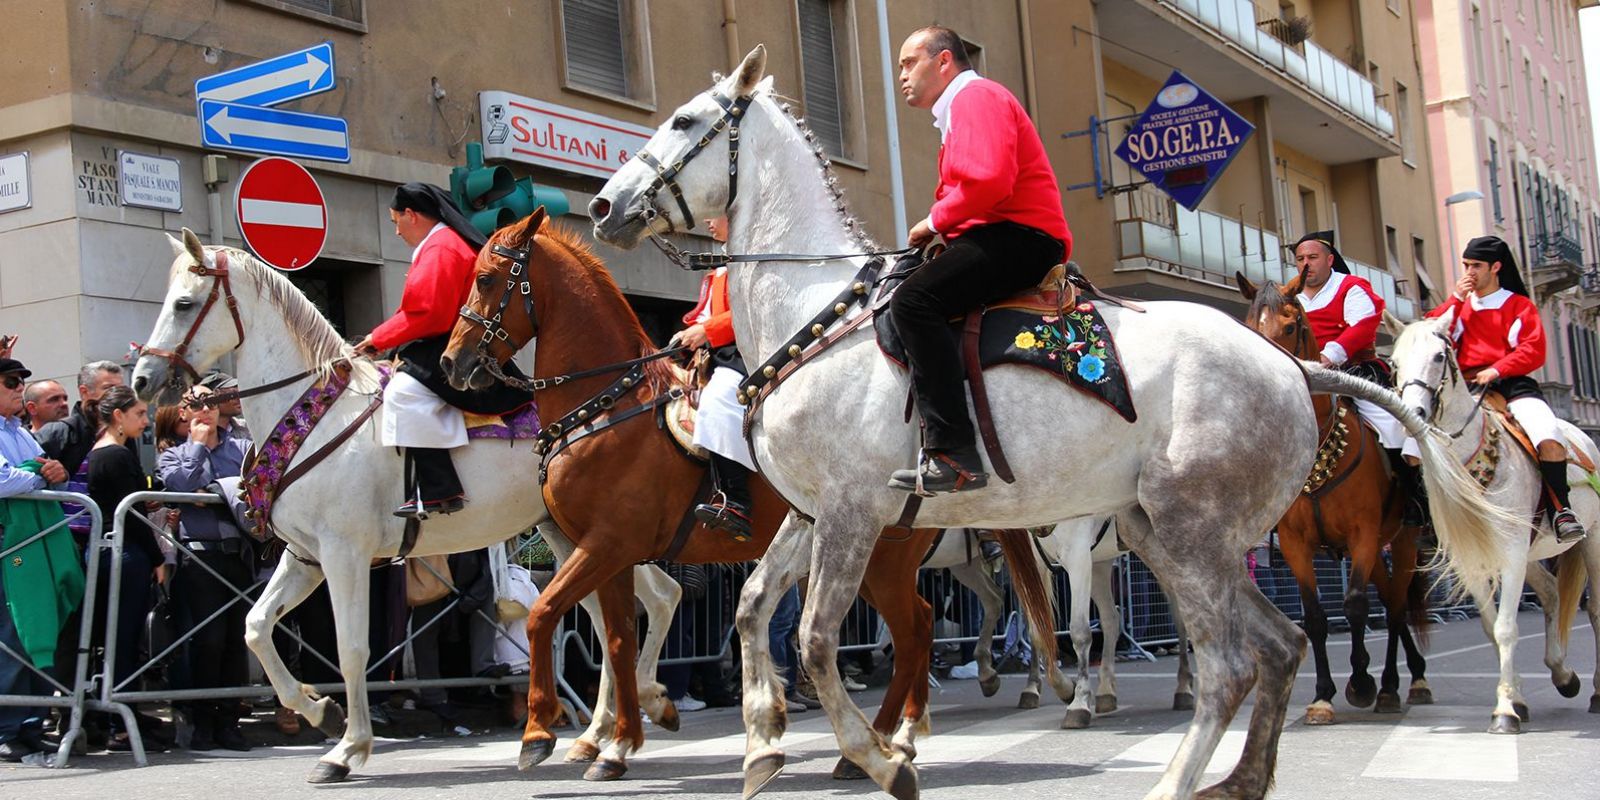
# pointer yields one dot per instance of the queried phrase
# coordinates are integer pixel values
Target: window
(829, 76)
(1308, 210)
(1580, 387)
(1561, 116)
(1419, 262)
(1480, 66)
(1494, 180)
(1402, 107)
(606, 48)
(1549, 129)
(1391, 237)
(347, 14)
(1527, 89)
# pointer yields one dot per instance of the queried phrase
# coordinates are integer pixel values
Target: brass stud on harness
(744, 400)
(583, 413)
(839, 309)
(769, 371)
(627, 383)
(817, 329)
(751, 390)
(794, 351)
(859, 288)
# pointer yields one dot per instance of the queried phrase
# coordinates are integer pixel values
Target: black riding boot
(1568, 529)
(431, 484)
(729, 508)
(943, 472)
(1408, 476)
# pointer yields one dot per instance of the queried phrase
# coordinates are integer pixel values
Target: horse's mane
(658, 373)
(315, 337)
(1269, 297)
(829, 177)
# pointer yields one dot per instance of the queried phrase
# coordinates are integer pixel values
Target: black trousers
(217, 653)
(433, 473)
(984, 265)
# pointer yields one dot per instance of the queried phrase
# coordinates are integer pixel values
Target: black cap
(1326, 237)
(1490, 249)
(218, 381)
(10, 366)
(437, 203)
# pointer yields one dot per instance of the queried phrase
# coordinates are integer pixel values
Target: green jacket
(44, 580)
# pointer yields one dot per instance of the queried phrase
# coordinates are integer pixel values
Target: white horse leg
(1075, 553)
(660, 595)
(1183, 695)
(1101, 590)
(980, 580)
(348, 575)
(1510, 709)
(1591, 560)
(765, 712)
(1555, 657)
(1065, 687)
(292, 582)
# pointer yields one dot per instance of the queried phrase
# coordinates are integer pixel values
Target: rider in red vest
(1344, 312)
(1499, 343)
(999, 209)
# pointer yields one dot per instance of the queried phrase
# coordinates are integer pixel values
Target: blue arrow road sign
(251, 129)
(274, 81)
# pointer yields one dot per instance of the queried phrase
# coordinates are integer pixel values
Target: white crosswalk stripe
(1445, 743)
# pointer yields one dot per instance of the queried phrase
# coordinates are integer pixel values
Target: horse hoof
(582, 752)
(989, 685)
(760, 772)
(1183, 701)
(605, 770)
(669, 717)
(324, 772)
(534, 753)
(1572, 687)
(1594, 704)
(903, 786)
(1105, 704)
(332, 724)
(1028, 700)
(1076, 720)
(1360, 694)
(1419, 696)
(1522, 711)
(846, 770)
(1388, 703)
(1505, 723)
(1320, 714)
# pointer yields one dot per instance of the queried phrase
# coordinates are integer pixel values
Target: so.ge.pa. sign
(517, 128)
(1184, 141)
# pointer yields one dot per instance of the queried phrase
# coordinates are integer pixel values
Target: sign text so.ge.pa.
(1184, 140)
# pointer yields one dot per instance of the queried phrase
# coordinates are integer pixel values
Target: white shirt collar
(1492, 300)
(1325, 295)
(941, 107)
(437, 226)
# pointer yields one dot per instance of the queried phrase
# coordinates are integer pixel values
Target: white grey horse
(1224, 439)
(1425, 365)
(337, 517)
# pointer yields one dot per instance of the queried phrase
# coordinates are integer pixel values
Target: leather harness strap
(971, 332)
(680, 538)
(218, 286)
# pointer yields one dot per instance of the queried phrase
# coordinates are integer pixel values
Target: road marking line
(1155, 752)
(1436, 743)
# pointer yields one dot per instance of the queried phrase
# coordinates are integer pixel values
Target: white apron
(413, 416)
(719, 425)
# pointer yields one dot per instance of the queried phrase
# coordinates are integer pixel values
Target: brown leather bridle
(220, 285)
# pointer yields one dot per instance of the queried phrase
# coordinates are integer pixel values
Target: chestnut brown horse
(1351, 506)
(619, 487)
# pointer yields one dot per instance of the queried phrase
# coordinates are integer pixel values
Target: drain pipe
(1025, 22)
(730, 33)
(891, 114)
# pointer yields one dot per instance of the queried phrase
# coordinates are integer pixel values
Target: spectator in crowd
(219, 560)
(472, 589)
(230, 413)
(22, 469)
(785, 656)
(45, 402)
(172, 427)
(69, 440)
(113, 473)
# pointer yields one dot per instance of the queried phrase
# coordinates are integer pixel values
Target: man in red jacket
(1499, 343)
(999, 210)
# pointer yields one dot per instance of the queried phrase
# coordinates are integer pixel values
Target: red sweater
(714, 293)
(436, 288)
(993, 168)
(1504, 332)
(1331, 322)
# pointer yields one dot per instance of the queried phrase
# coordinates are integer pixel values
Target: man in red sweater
(999, 210)
(1499, 343)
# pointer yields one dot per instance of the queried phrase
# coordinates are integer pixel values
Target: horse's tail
(1571, 576)
(1467, 524)
(1017, 545)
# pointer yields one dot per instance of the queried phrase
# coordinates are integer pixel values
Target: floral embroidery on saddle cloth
(1073, 345)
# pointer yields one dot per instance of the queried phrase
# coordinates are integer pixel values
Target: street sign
(533, 131)
(1184, 140)
(150, 181)
(15, 190)
(282, 215)
(277, 80)
(269, 131)
(235, 108)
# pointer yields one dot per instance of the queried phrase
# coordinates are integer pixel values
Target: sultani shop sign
(517, 128)
(1184, 140)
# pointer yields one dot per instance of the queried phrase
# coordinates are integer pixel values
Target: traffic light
(493, 199)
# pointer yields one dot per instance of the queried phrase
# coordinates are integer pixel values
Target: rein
(1437, 392)
(220, 285)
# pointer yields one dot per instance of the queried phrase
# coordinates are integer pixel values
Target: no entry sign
(282, 215)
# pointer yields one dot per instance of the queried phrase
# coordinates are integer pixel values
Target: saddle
(677, 415)
(1495, 403)
(1055, 327)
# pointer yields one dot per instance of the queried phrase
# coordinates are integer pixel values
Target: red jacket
(1355, 331)
(1503, 331)
(993, 167)
(436, 288)
(714, 293)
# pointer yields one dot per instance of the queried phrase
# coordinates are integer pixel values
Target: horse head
(501, 314)
(188, 337)
(689, 168)
(1425, 363)
(1275, 312)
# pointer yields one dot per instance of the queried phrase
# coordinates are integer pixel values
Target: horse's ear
(531, 225)
(177, 245)
(1447, 320)
(192, 244)
(1392, 323)
(1246, 288)
(750, 71)
(1295, 284)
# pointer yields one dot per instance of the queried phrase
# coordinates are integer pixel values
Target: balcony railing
(1559, 397)
(1315, 68)
(1590, 281)
(1557, 250)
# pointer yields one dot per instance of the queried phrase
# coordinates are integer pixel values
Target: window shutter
(820, 65)
(596, 50)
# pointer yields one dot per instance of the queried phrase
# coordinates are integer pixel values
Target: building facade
(1509, 119)
(562, 88)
